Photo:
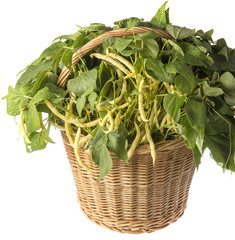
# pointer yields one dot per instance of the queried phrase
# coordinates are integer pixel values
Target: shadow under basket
(136, 197)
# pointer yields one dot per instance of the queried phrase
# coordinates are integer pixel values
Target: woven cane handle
(63, 77)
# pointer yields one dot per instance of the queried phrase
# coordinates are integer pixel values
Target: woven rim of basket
(63, 77)
(166, 145)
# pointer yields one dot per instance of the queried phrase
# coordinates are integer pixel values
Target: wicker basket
(136, 197)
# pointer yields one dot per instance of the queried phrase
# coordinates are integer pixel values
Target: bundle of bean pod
(136, 105)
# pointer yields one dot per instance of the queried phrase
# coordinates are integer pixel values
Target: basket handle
(63, 77)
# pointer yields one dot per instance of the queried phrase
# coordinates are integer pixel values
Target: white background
(37, 192)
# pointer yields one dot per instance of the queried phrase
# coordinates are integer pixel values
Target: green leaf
(94, 27)
(106, 88)
(99, 138)
(33, 71)
(39, 80)
(205, 35)
(156, 70)
(155, 65)
(230, 99)
(218, 123)
(176, 47)
(47, 53)
(172, 104)
(196, 114)
(80, 40)
(38, 140)
(161, 14)
(127, 22)
(117, 143)
(220, 137)
(134, 92)
(80, 103)
(42, 94)
(224, 52)
(181, 68)
(128, 52)
(203, 49)
(122, 43)
(138, 65)
(147, 35)
(211, 91)
(188, 132)
(88, 91)
(194, 56)
(56, 56)
(67, 58)
(133, 22)
(32, 119)
(161, 17)
(58, 91)
(152, 46)
(185, 71)
(191, 136)
(102, 158)
(147, 53)
(183, 84)
(51, 78)
(179, 33)
(228, 82)
(104, 75)
(81, 83)
(68, 36)
(196, 156)
(13, 101)
(108, 42)
(17, 99)
(219, 147)
(50, 91)
(221, 63)
(221, 43)
(91, 99)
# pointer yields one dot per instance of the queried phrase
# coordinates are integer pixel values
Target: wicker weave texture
(138, 197)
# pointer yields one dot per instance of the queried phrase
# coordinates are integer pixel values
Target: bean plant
(130, 91)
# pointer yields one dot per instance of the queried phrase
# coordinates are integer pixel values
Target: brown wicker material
(136, 197)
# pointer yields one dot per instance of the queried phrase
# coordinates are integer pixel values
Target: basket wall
(138, 197)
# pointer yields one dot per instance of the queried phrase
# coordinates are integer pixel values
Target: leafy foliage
(140, 88)
(81, 83)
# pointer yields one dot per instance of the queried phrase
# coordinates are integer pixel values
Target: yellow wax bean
(135, 142)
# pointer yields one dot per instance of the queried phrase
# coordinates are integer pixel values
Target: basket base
(131, 230)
